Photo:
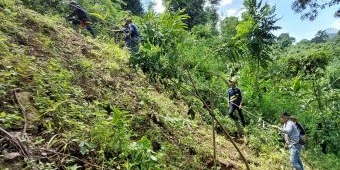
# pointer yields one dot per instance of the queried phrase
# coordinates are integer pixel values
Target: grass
(87, 102)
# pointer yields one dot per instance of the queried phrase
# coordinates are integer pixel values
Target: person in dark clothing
(82, 19)
(133, 37)
(235, 101)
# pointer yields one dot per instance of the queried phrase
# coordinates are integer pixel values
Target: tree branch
(68, 155)
(197, 94)
(18, 144)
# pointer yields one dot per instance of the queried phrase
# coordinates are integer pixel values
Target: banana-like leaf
(297, 84)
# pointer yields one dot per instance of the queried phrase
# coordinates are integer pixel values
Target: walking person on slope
(235, 101)
(133, 37)
(292, 137)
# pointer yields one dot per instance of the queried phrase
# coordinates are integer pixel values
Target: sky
(290, 21)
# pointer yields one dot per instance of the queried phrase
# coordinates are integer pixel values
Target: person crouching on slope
(133, 37)
(82, 19)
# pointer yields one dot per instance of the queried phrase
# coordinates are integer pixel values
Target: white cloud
(231, 12)
(159, 7)
(239, 13)
(226, 2)
(236, 12)
(336, 24)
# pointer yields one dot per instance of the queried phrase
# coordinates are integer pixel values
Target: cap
(128, 20)
(233, 79)
(293, 117)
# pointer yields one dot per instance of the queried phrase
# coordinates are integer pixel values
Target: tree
(310, 61)
(228, 27)
(135, 6)
(151, 6)
(195, 9)
(159, 54)
(202, 31)
(313, 6)
(320, 37)
(211, 16)
(254, 32)
(284, 40)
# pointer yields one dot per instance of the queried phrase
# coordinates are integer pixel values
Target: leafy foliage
(134, 6)
(299, 6)
(284, 40)
(320, 37)
(228, 27)
(91, 105)
(254, 33)
(255, 30)
(105, 14)
(158, 54)
(194, 9)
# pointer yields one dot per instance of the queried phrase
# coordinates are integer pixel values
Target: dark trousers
(232, 108)
(132, 43)
(76, 23)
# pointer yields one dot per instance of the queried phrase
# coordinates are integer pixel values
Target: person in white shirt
(292, 137)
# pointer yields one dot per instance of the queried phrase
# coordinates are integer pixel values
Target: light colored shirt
(291, 133)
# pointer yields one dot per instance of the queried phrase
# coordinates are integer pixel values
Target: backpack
(302, 136)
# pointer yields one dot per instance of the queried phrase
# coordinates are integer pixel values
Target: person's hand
(274, 127)
(240, 106)
(286, 146)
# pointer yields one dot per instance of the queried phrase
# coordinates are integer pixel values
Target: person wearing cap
(300, 129)
(292, 137)
(133, 37)
(235, 101)
(82, 19)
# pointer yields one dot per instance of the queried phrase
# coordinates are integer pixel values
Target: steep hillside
(71, 102)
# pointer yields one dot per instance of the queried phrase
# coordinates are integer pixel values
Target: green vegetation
(89, 104)
(309, 9)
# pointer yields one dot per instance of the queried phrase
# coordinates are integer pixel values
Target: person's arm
(120, 31)
(73, 13)
(288, 128)
(130, 29)
(286, 140)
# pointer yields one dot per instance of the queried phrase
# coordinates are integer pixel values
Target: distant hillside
(331, 32)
